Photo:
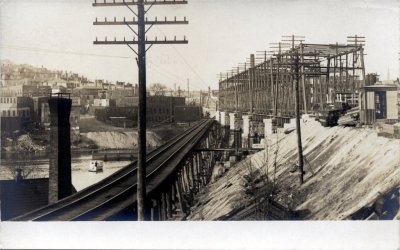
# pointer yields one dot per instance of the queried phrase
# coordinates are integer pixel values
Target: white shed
(378, 103)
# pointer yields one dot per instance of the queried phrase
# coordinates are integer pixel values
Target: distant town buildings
(25, 91)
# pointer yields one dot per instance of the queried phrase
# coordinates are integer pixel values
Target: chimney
(60, 184)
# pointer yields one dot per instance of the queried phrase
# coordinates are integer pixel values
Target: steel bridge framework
(328, 73)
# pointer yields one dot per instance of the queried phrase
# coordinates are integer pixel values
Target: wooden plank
(159, 209)
(163, 207)
(181, 204)
(392, 108)
(371, 100)
(168, 198)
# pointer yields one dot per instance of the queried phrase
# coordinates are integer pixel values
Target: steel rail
(130, 191)
(117, 176)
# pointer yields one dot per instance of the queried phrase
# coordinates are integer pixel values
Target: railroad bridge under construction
(249, 99)
(264, 86)
(175, 172)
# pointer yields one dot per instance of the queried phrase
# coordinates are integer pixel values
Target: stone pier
(235, 124)
(232, 120)
(224, 118)
(217, 116)
(268, 128)
(246, 131)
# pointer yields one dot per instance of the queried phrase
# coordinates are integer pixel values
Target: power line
(141, 43)
(171, 75)
(156, 67)
(184, 60)
(41, 50)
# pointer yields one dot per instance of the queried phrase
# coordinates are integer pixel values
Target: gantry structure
(265, 84)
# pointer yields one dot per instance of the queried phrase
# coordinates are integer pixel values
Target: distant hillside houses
(25, 89)
(38, 84)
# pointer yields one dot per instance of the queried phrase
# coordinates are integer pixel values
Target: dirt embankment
(89, 123)
(351, 171)
(118, 140)
(98, 135)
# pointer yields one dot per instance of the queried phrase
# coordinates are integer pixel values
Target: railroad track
(118, 191)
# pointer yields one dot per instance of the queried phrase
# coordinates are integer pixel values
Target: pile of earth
(119, 139)
(350, 174)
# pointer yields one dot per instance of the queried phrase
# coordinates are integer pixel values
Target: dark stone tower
(60, 184)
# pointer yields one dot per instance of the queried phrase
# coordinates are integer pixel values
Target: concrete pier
(224, 118)
(232, 120)
(246, 131)
(268, 128)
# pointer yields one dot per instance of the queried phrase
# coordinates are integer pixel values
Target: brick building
(161, 108)
(15, 112)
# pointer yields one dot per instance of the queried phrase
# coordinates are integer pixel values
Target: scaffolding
(328, 73)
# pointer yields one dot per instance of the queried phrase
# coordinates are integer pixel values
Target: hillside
(349, 170)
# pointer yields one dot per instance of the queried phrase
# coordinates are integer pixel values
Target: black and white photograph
(191, 112)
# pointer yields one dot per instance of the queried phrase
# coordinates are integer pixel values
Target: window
(4, 113)
(8, 113)
(13, 113)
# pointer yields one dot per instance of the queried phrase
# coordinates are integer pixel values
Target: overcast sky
(59, 34)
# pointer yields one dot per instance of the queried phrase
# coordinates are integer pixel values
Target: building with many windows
(15, 112)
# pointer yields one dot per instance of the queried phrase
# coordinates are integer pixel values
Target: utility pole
(298, 129)
(188, 93)
(209, 97)
(141, 62)
(201, 103)
(251, 82)
(280, 46)
(293, 39)
(358, 42)
(296, 66)
(236, 84)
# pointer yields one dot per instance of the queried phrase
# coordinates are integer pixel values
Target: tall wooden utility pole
(188, 92)
(358, 42)
(236, 84)
(251, 82)
(298, 129)
(280, 46)
(141, 61)
(141, 173)
(293, 39)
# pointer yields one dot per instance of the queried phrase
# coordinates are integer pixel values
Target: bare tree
(22, 167)
(158, 89)
(259, 182)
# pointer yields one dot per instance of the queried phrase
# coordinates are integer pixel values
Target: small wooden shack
(378, 103)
